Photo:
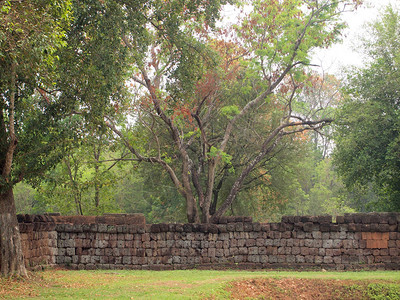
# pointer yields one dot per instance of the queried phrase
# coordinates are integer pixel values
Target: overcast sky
(342, 55)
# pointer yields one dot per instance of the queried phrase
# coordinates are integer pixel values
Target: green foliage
(30, 35)
(275, 30)
(306, 184)
(42, 141)
(230, 111)
(225, 157)
(24, 196)
(380, 291)
(92, 67)
(81, 183)
(147, 189)
(367, 134)
(328, 196)
(272, 189)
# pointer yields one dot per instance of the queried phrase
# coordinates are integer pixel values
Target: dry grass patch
(13, 287)
(311, 289)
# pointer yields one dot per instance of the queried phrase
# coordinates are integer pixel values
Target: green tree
(30, 33)
(367, 133)
(84, 181)
(315, 188)
(328, 195)
(281, 185)
(147, 189)
(91, 70)
(184, 93)
(24, 196)
(90, 83)
(91, 67)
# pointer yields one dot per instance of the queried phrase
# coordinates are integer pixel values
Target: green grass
(185, 284)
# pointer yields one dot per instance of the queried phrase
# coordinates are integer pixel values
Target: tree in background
(82, 182)
(316, 188)
(185, 95)
(171, 50)
(367, 132)
(147, 189)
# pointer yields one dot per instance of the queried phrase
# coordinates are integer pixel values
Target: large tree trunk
(11, 257)
(191, 209)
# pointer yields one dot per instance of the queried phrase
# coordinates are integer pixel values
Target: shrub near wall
(354, 241)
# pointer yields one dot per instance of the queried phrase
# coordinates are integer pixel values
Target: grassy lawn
(191, 284)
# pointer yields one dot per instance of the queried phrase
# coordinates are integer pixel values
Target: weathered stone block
(325, 227)
(308, 243)
(219, 252)
(213, 228)
(337, 243)
(376, 218)
(287, 219)
(265, 227)
(239, 227)
(304, 251)
(253, 250)
(340, 220)
(383, 228)
(308, 226)
(70, 251)
(187, 227)
(222, 228)
(247, 227)
(250, 242)
(253, 258)
(327, 244)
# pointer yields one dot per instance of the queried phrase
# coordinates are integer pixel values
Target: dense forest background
(116, 158)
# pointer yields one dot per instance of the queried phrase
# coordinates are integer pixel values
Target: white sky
(341, 55)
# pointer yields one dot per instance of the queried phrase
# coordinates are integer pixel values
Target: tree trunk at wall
(11, 257)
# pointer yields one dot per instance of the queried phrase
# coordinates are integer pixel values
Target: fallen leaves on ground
(21, 287)
(295, 288)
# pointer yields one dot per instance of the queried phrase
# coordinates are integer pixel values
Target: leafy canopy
(368, 135)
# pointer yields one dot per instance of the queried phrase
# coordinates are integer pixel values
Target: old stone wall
(39, 240)
(354, 241)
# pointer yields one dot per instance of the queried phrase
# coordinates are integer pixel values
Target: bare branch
(141, 82)
(150, 128)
